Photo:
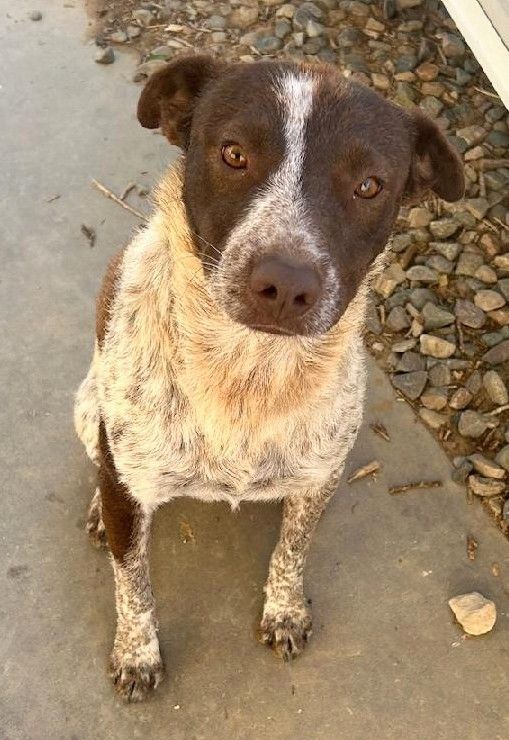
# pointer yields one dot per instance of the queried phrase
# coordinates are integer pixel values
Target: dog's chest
(163, 452)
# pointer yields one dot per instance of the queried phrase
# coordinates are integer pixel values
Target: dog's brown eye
(233, 156)
(369, 188)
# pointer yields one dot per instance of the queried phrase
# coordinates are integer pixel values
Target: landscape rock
(486, 467)
(485, 487)
(475, 613)
(105, 56)
(436, 346)
(498, 354)
(495, 388)
(488, 300)
(410, 384)
(473, 424)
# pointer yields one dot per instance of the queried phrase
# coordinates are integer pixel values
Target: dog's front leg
(135, 663)
(286, 621)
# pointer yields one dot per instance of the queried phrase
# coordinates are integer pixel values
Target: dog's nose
(284, 289)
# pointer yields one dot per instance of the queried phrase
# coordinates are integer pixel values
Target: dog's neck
(227, 369)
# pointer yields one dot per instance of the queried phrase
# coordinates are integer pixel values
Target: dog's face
(293, 180)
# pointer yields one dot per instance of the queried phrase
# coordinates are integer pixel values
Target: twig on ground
(109, 194)
(498, 410)
(369, 469)
(53, 197)
(395, 490)
(89, 232)
(472, 546)
(487, 92)
(125, 192)
(379, 429)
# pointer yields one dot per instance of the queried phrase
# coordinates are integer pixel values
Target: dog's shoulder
(107, 294)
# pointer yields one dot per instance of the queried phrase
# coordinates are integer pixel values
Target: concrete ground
(386, 659)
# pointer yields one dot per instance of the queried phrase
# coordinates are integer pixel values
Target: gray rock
(469, 314)
(434, 398)
(422, 274)
(449, 250)
(440, 264)
(143, 16)
(405, 4)
(488, 300)
(418, 297)
(497, 354)
(105, 56)
(397, 320)
(505, 511)
(216, 23)
(478, 207)
(462, 471)
(118, 37)
(400, 242)
(432, 418)
(469, 263)
(436, 317)
(313, 29)
(36, 15)
(452, 45)
(409, 361)
(499, 139)
(472, 134)
(133, 32)
(487, 467)
(268, 44)
(443, 227)
(485, 487)
(460, 399)
(495, 388)
(440, 375)
(436, 346)
(282, 28)
(472, 424)
(474, 383)
(411, 384)
(431, 105)
(348, 37)
(502, 457)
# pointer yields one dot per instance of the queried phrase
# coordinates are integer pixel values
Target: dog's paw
(286, 631)
(95, 525)
(134, 679)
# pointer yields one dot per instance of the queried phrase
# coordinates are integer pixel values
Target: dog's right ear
(169, 97)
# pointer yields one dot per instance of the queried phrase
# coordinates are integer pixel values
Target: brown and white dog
(229, 362)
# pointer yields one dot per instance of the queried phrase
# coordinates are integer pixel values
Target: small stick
(125, 192)
(369, 469)
(379, 429)
(109, 194)
(487, 92)
(498, 410)
(472, 546)
(89, 232)
(53, 197)
(489, 164)
(395, 490)
(502, 224)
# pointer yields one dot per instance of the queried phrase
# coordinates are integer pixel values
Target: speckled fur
(196, 405)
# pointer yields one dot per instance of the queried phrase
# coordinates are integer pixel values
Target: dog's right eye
(233, 156)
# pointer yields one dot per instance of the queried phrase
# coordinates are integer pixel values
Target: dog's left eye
(233, 156)
(369, 188)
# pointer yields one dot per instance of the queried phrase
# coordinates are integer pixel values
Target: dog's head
(293, 180)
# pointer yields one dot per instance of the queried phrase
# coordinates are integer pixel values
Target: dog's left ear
(435, 163)
(170, 95)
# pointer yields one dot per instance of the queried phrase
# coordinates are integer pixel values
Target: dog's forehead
(319, 97)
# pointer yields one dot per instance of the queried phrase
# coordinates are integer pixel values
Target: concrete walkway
(386, 659)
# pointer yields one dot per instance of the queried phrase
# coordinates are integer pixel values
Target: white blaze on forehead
(294, 93)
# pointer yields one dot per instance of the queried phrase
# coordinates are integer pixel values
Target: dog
(229, 362)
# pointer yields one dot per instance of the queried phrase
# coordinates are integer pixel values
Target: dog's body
(188, 394)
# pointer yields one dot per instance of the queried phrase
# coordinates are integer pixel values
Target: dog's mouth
(272, 329)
